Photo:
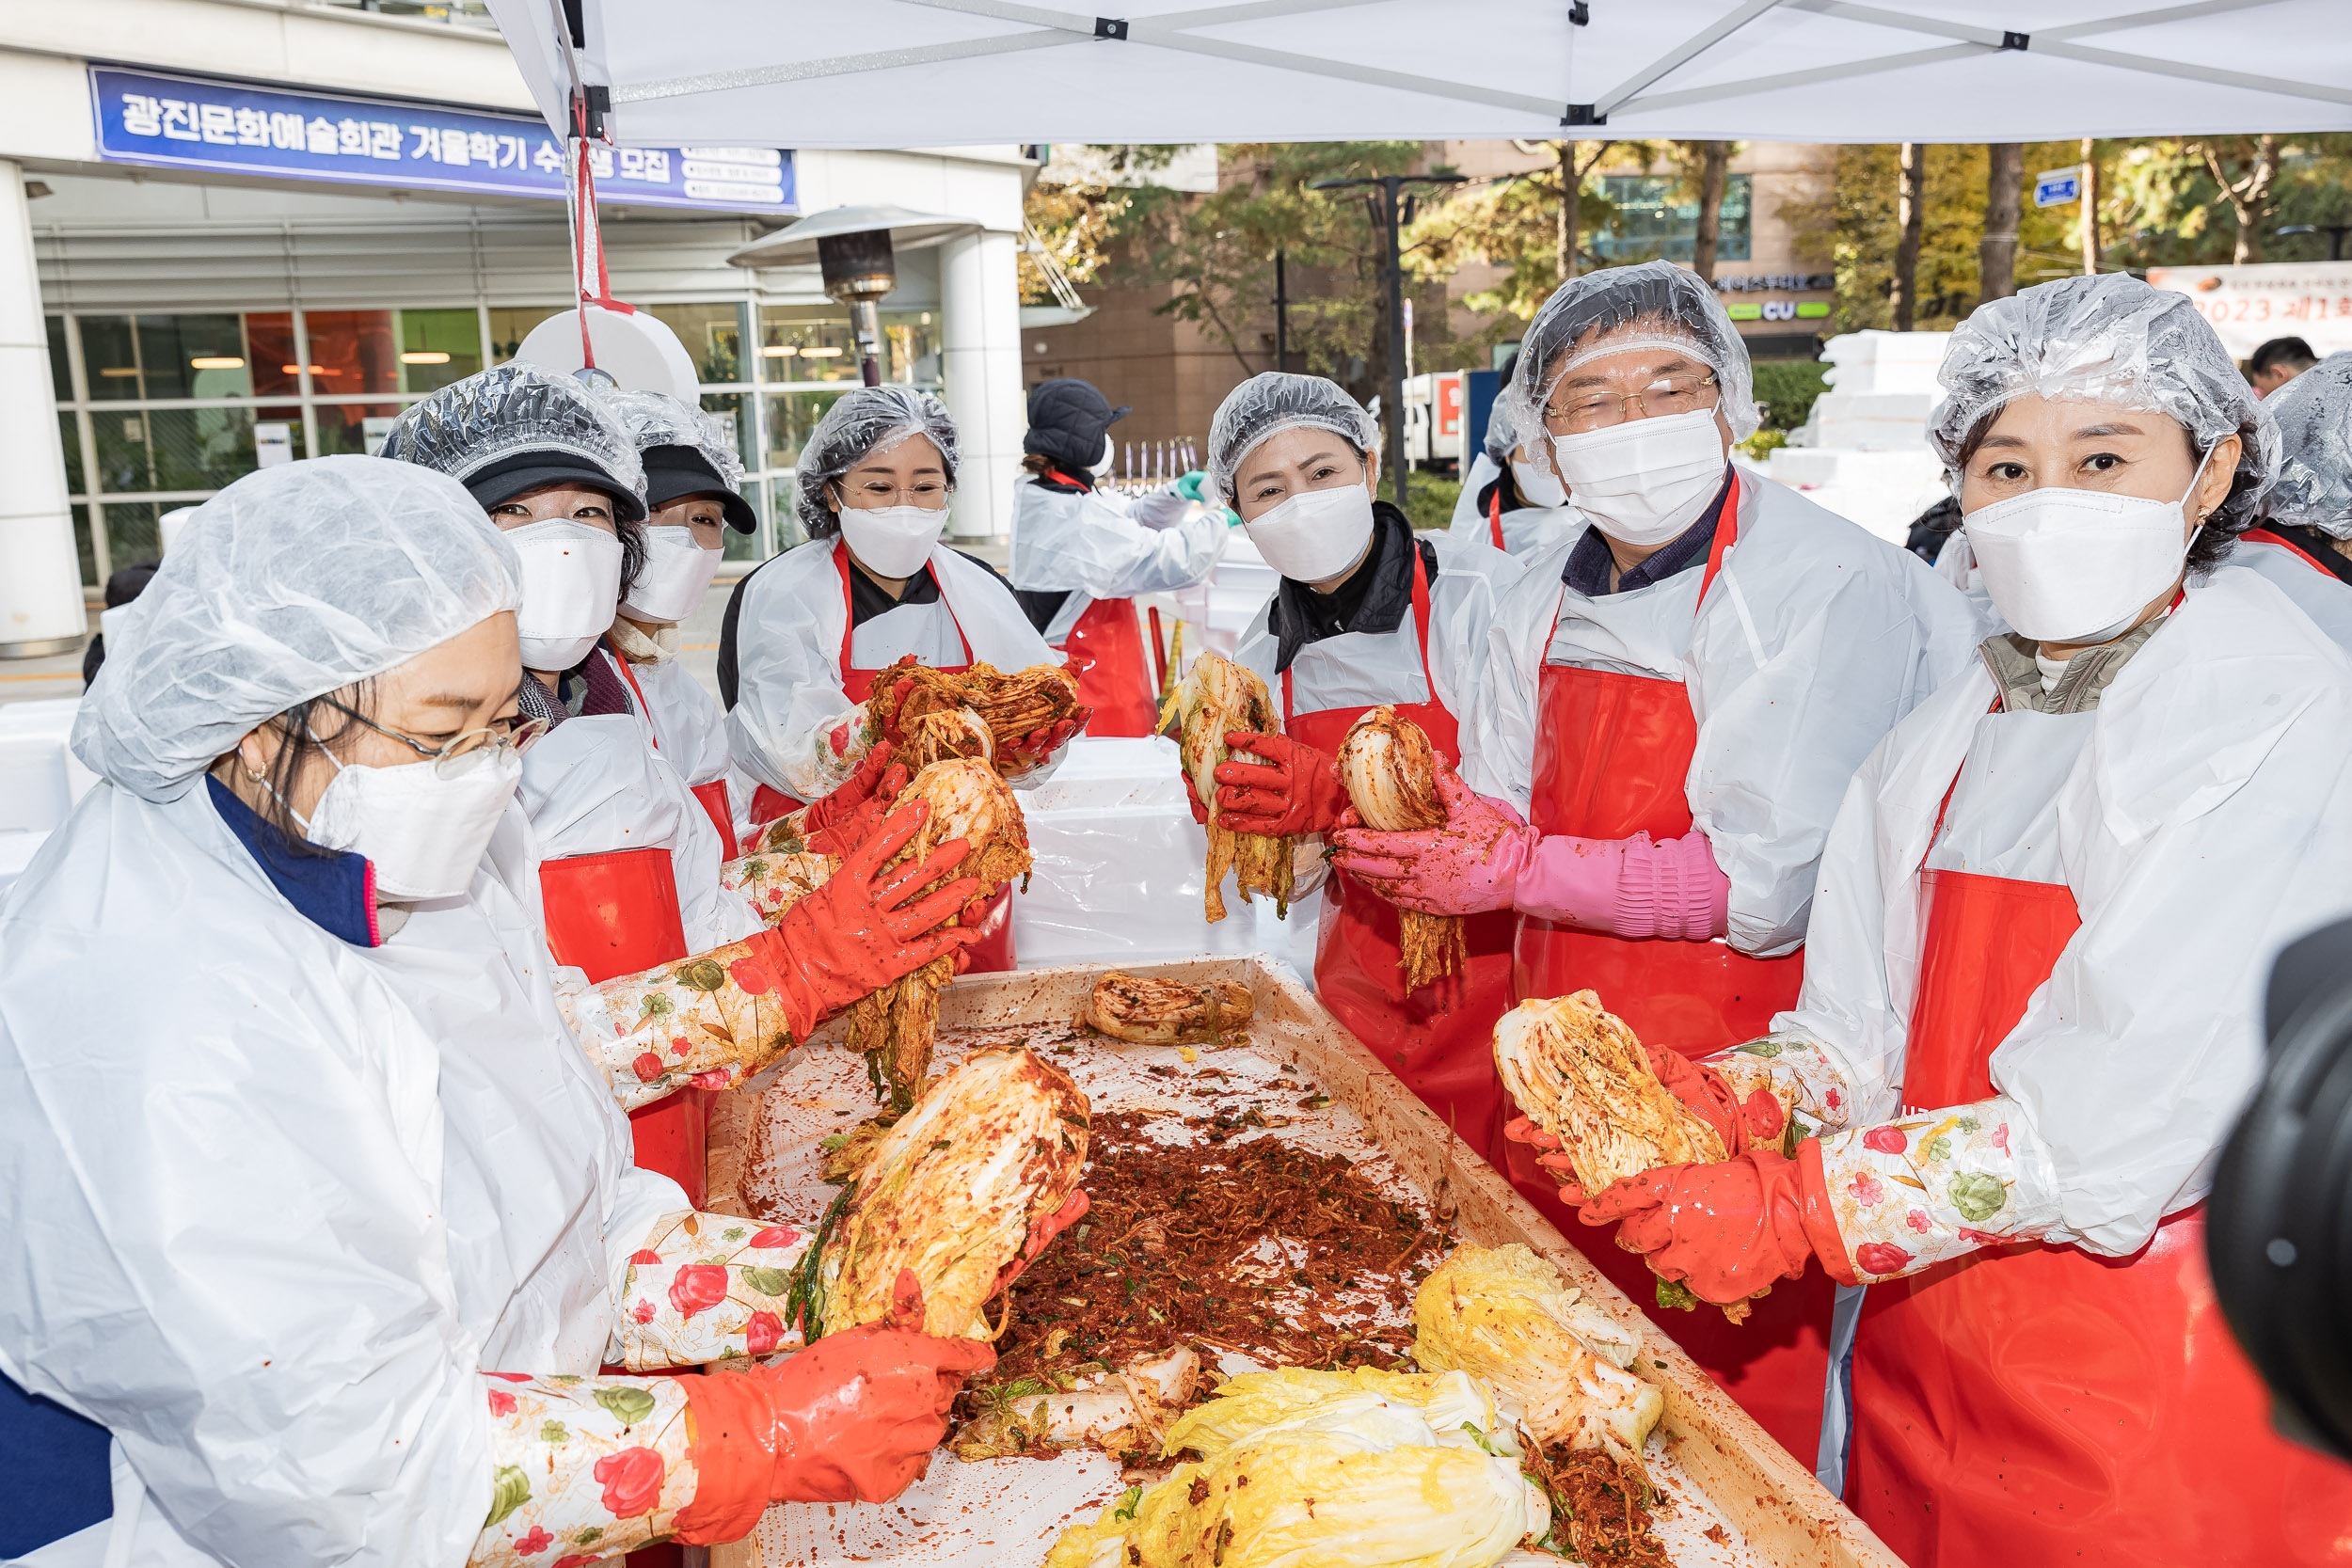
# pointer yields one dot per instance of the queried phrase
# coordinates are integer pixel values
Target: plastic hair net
(866, 420)
(1265, 405)
(1654, 305)
(659, 419)
(2110, 338)
(293, 582)
(2314, 417)
(510, 410)
(1502, 427)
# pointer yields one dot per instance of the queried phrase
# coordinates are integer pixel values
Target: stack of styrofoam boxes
(1119, 866)
(1863, 452)
(1218, 610)
(39, 778)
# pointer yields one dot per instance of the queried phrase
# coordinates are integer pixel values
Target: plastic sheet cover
(1120, 867)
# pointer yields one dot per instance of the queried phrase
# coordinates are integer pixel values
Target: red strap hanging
(591, 282)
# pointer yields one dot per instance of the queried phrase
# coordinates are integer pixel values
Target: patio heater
(856, 250)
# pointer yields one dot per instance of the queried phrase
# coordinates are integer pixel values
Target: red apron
(1613, 753)
(2263, 536)
(713, 797)
(1494, 516)
(1438, 1040)
(615, 914)
(2034, 1405)
(993, 953)
(1113, 671)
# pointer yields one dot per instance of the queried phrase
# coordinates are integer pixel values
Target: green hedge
(1786, 388)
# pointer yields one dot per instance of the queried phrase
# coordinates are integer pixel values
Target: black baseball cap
(673, 473)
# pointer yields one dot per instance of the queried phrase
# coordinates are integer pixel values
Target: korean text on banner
(239, 128)
(2250, 305)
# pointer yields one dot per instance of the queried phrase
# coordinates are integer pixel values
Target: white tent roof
(942, 72)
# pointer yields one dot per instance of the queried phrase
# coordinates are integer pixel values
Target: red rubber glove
(1730, 1229)
(1471, 865)
(853, 827)
(1192, 798)
(863, 796)
(1295, 790)
(1042, 1230)
(1753, 1123)
(1523, 1130)
(1029, 750)
(852, 1419)
(859, 933)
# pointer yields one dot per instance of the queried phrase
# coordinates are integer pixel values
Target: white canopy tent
(816, 73)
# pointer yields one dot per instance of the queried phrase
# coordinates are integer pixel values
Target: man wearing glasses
(1677, 693)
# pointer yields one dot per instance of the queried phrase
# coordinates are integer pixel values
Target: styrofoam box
(1878, 361)
(1120, 867)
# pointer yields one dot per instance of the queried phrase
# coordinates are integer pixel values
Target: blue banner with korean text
(239, 128)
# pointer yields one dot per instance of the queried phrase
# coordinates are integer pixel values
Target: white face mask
(2078, 566)
(1536, 484)
(423, 825)
(571, 586)
(1644, 480)
(1103, 463)
(672, 582)
(892, 541)
(1314, 534)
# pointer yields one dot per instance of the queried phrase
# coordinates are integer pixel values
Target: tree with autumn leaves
(1903, 229)
(2156, 202)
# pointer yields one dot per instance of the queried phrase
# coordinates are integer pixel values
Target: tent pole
(1281, 314)
(1391, 195)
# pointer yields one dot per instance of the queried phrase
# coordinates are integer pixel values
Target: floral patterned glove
(707, 1288)
(583, 1469)
(715, 1019)
(1910, 1194)
(706, 1023)
(772, 880)
(1803, 1080)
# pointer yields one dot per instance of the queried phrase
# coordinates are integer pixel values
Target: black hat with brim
(673, 473)
(509, 477)
(1068, 420)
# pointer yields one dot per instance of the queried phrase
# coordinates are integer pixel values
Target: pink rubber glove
(1471, 865)
(1629, 887)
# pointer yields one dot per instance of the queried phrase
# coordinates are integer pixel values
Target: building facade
(234, 232)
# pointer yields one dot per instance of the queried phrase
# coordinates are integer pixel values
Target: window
(511, 324)
(165, 409)
(1654, 222)
(352, 351)
(713, 335)
(809, 345)
(60, 363)
(438, 347)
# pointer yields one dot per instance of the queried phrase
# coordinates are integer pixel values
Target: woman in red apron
(1079, 554)
(629, 870)
(1676, 705)
(2030, 987)
(806, 635)
(693, 481)
(1364, 615)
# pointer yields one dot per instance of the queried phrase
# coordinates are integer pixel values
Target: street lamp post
(2335, 232)
(1393, 210)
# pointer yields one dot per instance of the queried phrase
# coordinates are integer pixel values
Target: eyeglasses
(1672, 394)
(514, 734)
